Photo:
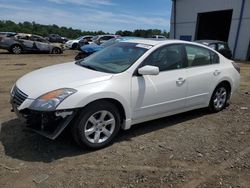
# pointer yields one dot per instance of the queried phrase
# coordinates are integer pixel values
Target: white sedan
(122, 85)
(73, 44)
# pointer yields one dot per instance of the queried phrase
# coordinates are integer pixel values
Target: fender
(94, 92)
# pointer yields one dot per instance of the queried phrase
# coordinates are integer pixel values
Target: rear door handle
(180, 81)
(216, 72)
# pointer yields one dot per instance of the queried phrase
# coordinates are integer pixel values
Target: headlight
(49, 101)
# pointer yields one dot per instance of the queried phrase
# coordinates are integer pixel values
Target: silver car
(29, 43)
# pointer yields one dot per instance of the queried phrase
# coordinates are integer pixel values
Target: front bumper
(48, 124)
(68, 45)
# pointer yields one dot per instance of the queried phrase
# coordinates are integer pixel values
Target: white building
(226, 20)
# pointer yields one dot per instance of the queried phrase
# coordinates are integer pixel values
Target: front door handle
(180, 81)
(216, 72)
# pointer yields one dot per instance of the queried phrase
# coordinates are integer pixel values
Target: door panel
(26, 44)
(201, 81)
(202, 75)
(165, 92)
(44, 47)
(158, 94)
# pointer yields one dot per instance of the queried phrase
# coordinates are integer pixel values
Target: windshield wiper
(80, 63)
(88, 67)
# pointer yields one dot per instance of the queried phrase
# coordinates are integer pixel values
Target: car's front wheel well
(115, 102)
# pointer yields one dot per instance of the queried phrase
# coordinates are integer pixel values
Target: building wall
(186, 18)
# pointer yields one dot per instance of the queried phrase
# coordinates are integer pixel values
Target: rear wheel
(97, 125)
(219, 98)
(16, 49)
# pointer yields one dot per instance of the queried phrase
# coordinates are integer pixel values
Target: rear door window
(213, 46)
(222, 46)
(198, 56)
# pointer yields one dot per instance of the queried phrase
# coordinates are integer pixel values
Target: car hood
(90, 48)
(66, 75)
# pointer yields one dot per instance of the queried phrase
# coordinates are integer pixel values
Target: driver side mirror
(148, 70)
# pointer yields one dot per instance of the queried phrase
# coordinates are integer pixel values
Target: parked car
(158, 37)
(124, 84)
(98, 39)
(219, 46)
(29, 43)
(73, 44)
(56, 38)
(7, 34)
(89, 49)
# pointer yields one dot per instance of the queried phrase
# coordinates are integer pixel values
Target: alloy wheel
(220, 98)
(16, 50)
(99, 127)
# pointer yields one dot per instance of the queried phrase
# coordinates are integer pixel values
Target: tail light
(236, 66)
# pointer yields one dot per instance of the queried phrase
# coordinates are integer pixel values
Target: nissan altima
(124, 84)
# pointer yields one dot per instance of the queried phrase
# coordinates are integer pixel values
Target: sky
(91, 15)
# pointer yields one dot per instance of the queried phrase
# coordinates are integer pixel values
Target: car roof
(153, 42)
(87, 36)
(106, 35)
(210, 41)
(24, 34)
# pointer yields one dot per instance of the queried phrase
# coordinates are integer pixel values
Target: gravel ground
(193, 149)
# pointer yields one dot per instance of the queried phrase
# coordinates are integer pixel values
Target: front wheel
(97, 125)
(16, 49)
(219, 98)
(74, 46)
(56, 51)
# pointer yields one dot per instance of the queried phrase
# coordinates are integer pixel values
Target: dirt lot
(194, 149)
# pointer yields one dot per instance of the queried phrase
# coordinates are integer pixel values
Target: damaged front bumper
(48, 124)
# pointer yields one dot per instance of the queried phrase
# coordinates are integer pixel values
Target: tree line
(45, 30)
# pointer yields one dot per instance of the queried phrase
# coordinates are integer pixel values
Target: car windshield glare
(115, 58)
(79, 38)
(95, 37)
(109, 42)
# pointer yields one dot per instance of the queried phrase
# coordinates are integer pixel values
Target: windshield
(116, 58)
(79, 38)
(95, 37)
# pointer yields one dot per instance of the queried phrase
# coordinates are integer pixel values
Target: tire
(16, 49)
(97, 125)
(56, 51)
(74, 46)
(219, 98)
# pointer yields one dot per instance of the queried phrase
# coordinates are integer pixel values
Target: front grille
(18, 96)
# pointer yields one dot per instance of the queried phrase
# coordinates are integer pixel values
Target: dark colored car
(56, 38)
(22, 42)
(219, 46)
